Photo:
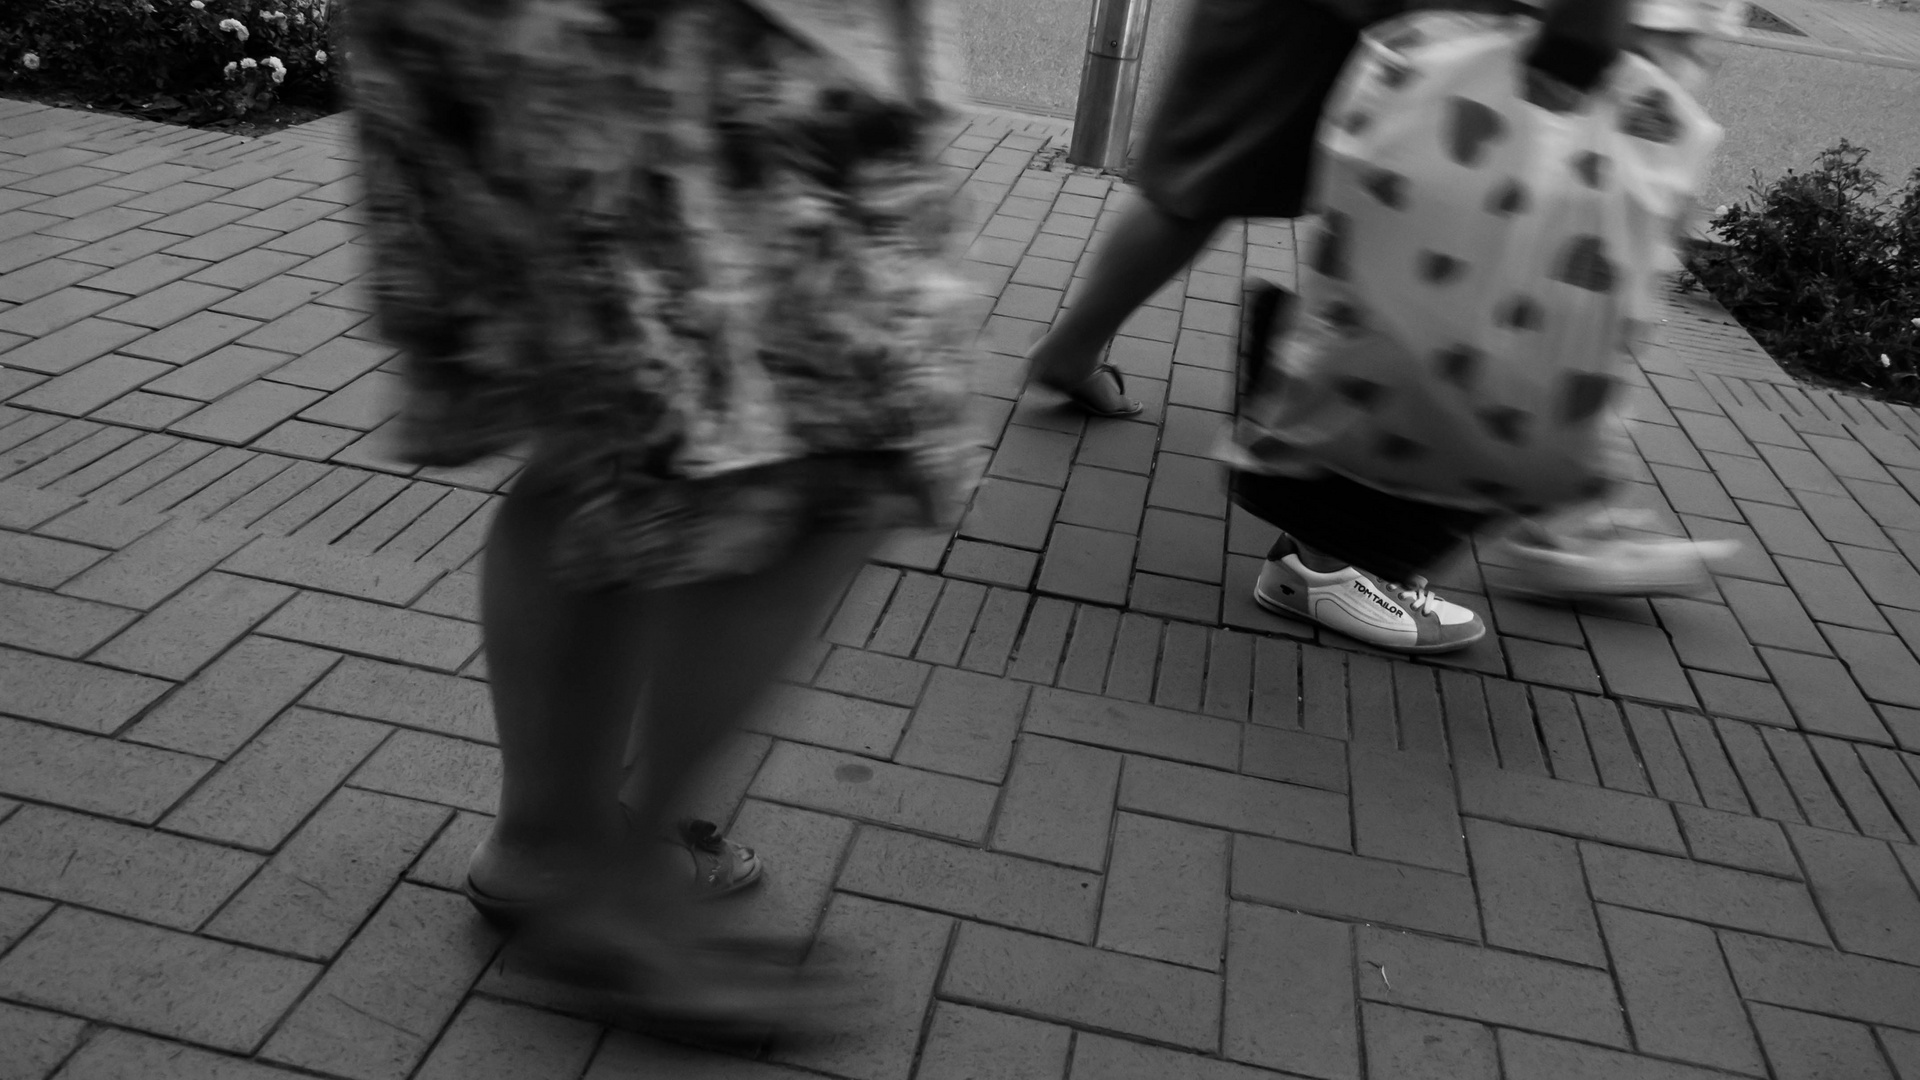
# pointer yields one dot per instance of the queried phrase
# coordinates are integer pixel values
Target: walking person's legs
(1232, 138)
(1147, 248)
(580, 877)
(546, 253)
(566, 672)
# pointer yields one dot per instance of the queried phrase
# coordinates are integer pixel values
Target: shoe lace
(1418, 596)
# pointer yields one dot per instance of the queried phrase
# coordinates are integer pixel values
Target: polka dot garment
(1486, 251)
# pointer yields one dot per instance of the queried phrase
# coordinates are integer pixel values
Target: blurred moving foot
(715, 867)
(1594, 559)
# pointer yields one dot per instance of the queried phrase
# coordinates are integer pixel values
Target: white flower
(232, 69)
(320, 57)
(1916, 324)
(30, 61)
(279, 69)
(1885, 360)
(248, 64)
(197, 5)
(234, 27)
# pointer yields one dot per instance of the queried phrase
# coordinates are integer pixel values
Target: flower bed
(1824, 271)
(199, 62)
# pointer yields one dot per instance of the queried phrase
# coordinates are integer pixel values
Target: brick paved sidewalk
(1078, 808)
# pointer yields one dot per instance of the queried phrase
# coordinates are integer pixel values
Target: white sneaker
(1593, 560)
(1359, 605)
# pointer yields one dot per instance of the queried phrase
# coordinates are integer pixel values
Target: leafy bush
(1825, 273)
(188, 61)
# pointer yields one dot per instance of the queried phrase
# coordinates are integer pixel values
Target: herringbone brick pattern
(1076, 808)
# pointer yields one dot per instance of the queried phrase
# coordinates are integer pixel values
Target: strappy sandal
(718, 867)
(1077, 393)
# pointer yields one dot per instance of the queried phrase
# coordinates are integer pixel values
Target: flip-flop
(1076, 393)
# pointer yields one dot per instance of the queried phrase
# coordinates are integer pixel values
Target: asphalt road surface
(1027, 53)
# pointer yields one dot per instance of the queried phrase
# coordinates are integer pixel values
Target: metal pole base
(1103, 118)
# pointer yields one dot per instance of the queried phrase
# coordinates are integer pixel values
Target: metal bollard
(1103, 118)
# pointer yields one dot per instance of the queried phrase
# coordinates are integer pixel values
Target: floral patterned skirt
(694, 250)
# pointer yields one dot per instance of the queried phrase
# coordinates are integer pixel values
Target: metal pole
(1103, 119)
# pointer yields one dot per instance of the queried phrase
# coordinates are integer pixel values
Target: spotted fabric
(1484, 257)
(695, 251)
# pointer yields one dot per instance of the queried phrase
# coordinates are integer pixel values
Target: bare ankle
(522, 865)
(1056, 361)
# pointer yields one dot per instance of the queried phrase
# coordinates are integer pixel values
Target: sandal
(720, 867)
(1076, 393)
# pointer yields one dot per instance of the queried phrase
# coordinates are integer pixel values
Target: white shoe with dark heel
(1406, 618)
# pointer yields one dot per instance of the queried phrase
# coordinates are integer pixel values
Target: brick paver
(1078, 807)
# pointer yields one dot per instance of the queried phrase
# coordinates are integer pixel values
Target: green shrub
(188, 61)
(1825, 273)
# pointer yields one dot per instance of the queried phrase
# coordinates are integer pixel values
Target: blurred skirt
(695, 253)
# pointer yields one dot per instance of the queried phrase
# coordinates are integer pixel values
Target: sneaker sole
(1278, 608)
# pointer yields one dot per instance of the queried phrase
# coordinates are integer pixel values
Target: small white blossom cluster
(235, 27)
(275, 68)
(30, 61)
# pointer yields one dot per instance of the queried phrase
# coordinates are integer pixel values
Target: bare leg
(1146, 248)
(728, 642)
(566, 673)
